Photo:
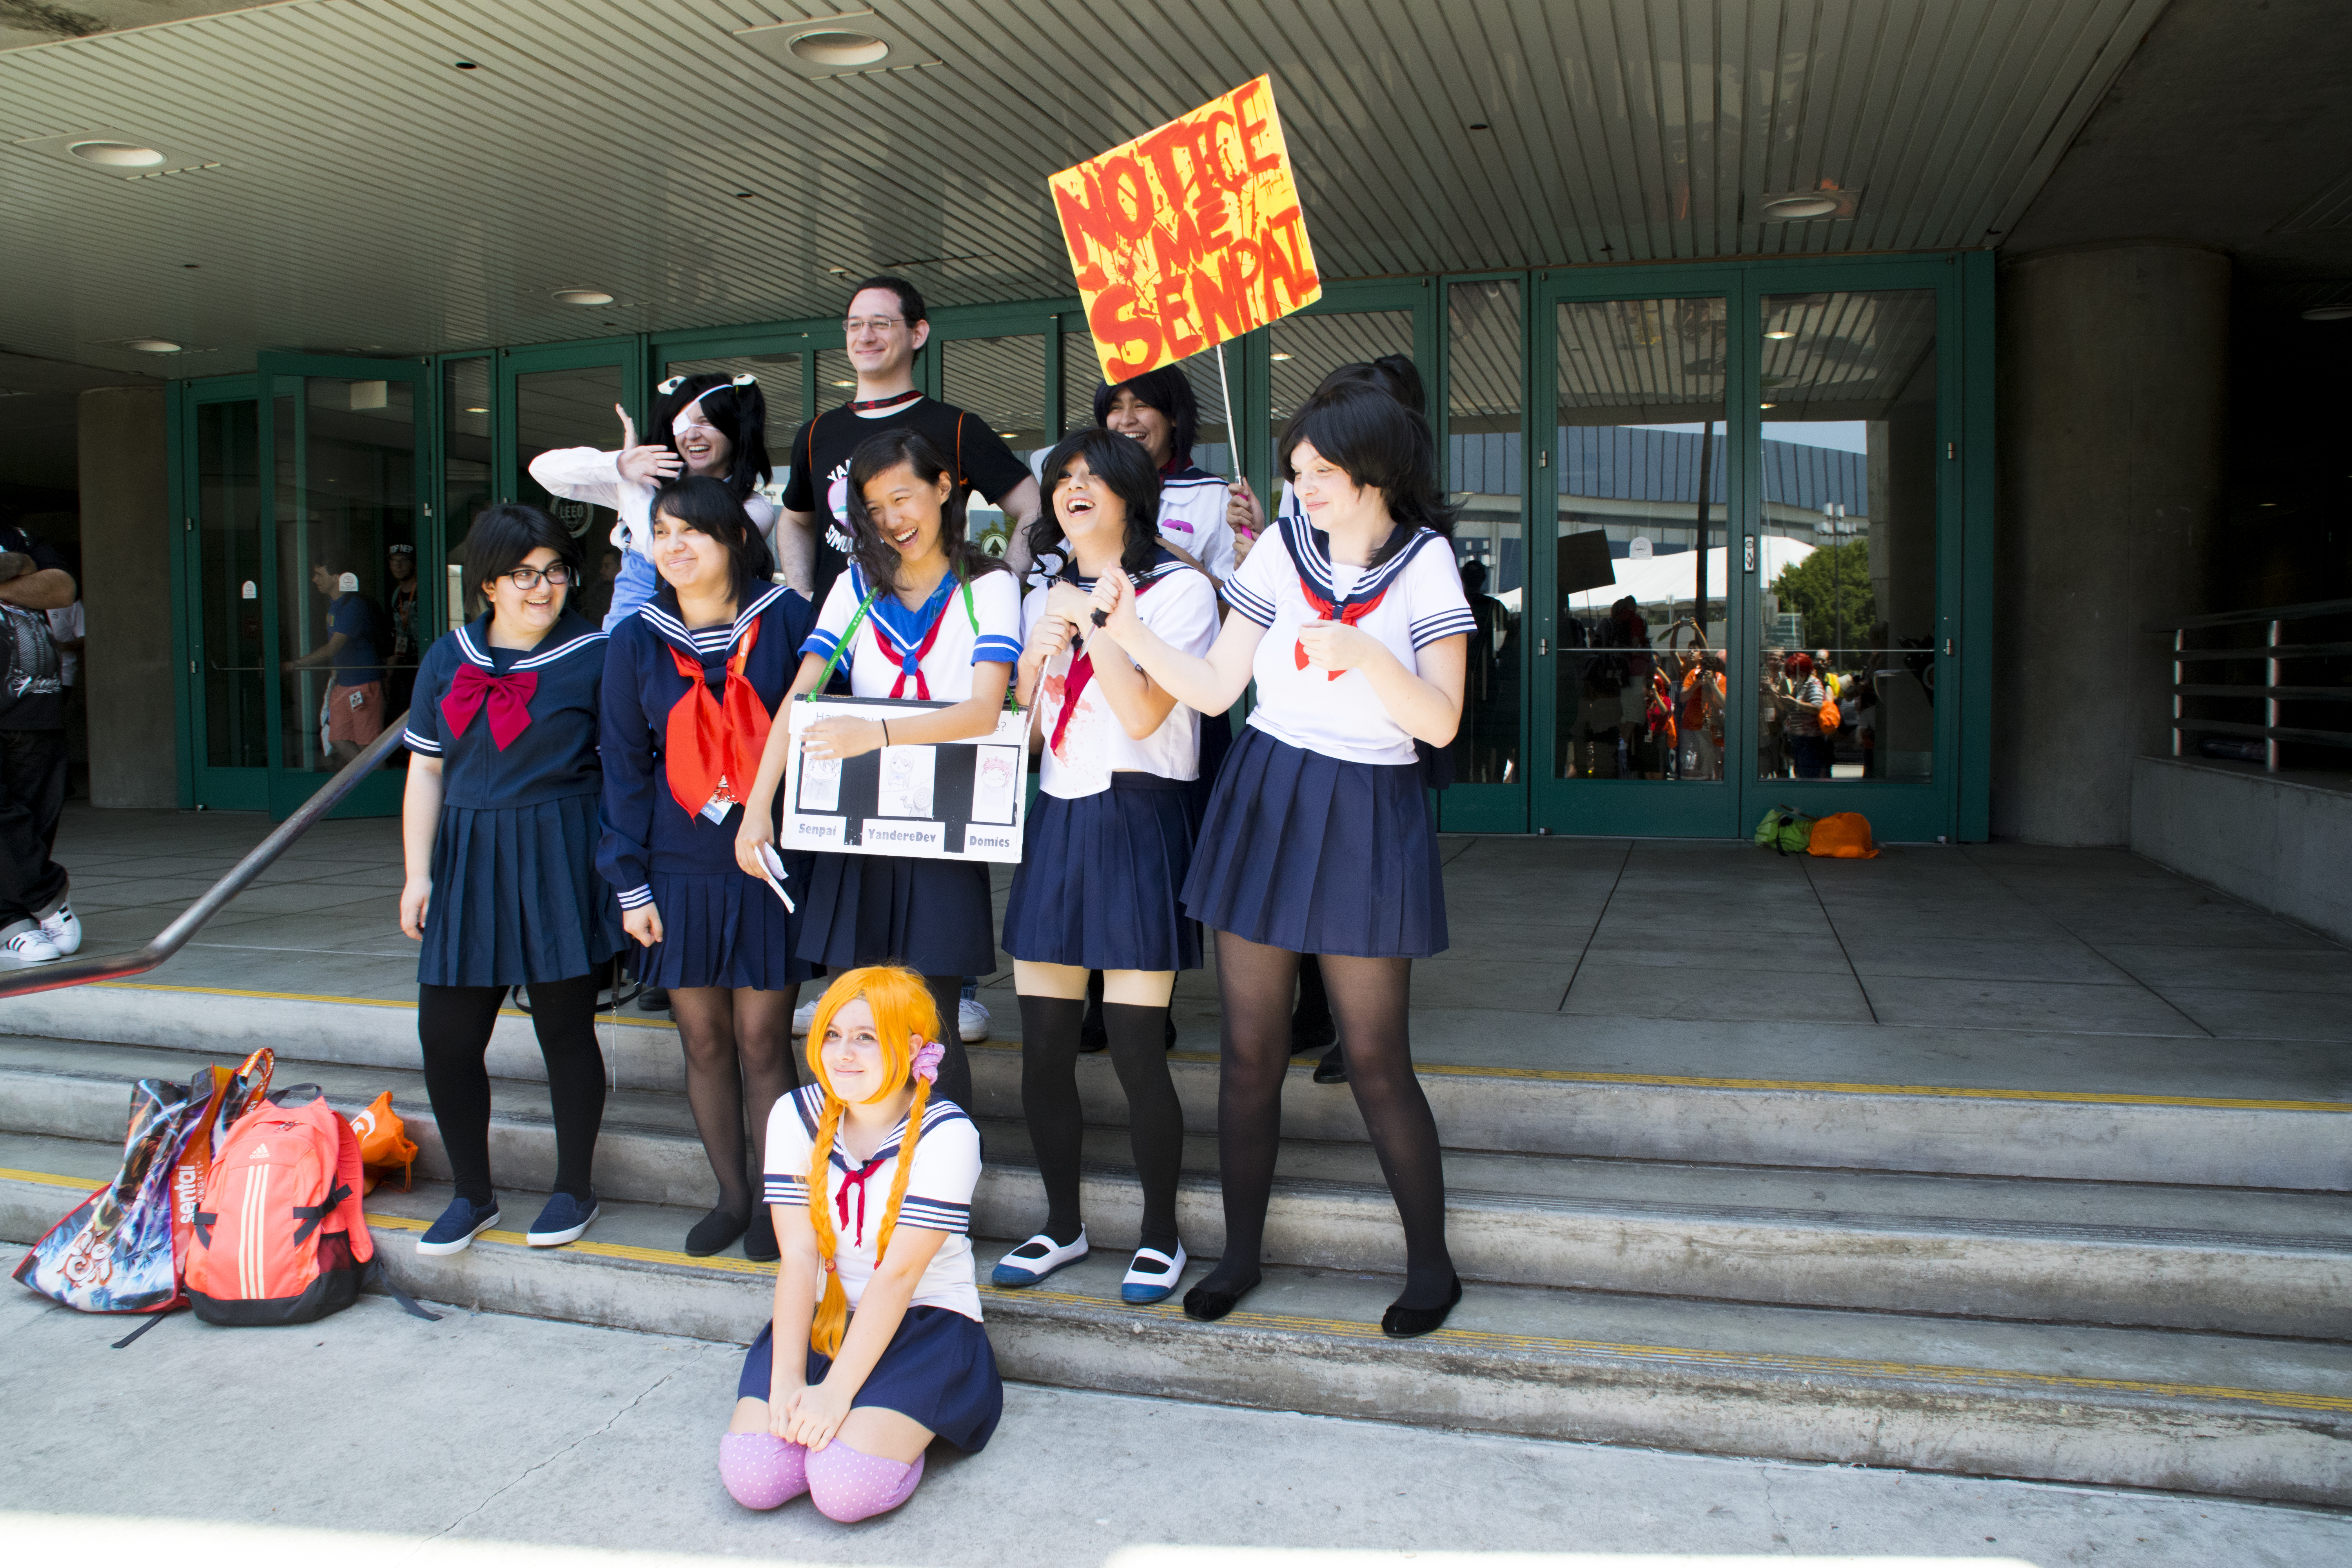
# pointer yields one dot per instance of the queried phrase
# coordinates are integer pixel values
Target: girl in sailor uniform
(1107, 848)
(713, 426)
(690, 683)
(919, 612)
(875, 1344)
(1318, 838)
(500, 823)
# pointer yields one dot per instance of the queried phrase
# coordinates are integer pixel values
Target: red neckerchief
(508, 696)
(910, 662)
(857, 1179)
(1082, 670)
(1347, 615)
(893, 401)
(714, 750)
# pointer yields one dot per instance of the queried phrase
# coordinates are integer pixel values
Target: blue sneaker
(565, 1218)
(1151, 1276)
(455, 1229)
(1034, 1258)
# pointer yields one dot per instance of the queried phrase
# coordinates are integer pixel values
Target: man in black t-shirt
(886, 327)
(37, 925)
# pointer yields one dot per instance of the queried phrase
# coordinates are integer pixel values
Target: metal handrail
(31, 979)
(2273, 688)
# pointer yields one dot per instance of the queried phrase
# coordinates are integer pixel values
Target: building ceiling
(2231, 127)
(338, 183)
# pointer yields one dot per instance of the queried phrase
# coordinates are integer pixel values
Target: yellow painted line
(1483, 1340)
(79, 1183)
(1541, 1075)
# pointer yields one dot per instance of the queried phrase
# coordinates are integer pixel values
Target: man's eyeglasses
(856, 326)
(529, 578)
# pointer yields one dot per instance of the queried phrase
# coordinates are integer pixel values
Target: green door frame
(627, 352)
(200, 784)
(378, 795)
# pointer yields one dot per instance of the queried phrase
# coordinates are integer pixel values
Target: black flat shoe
(653, 999)
(1208, 1304)
(715, 1232)
(1333, 1067)
(760, 1240)
(1409, 1322)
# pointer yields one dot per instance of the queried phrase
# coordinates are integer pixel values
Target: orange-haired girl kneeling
(876, 1274)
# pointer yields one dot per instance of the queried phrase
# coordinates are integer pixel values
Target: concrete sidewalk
(463, 1440)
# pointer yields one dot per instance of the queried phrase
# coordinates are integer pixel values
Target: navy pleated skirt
(1216, 744)
(516, 897)
(1099, 877)
(723, 928)
(938, 1370)
(1304, 852)
(933, 916)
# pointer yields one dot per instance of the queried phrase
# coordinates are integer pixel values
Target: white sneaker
(803, 1018)
(63, 928)
(31, 945)
(971, 1021)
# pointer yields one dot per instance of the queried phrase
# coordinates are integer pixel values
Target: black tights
(1049, 1097)
(454, 1024)
(1256, 985)
(739, 1058)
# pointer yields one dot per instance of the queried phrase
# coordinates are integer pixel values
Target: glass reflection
(1484, 467)
(1002, 382)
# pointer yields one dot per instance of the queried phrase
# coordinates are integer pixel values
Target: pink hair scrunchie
(928, 1060)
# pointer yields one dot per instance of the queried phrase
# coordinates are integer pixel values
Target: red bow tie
(508, 696)
(1325, 609)
(713, 751)
(856, 1180)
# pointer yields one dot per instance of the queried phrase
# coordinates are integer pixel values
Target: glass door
(344, 461)
(230, 685)
(558, 396)
(1634, 631)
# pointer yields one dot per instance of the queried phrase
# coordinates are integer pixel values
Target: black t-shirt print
(821, 449)
(32, 692)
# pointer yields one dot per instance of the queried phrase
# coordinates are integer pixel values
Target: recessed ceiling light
(1780, 332)
(115, 154)
(1787, 208)
(582, 296)
(2328, 313)
(1277, 356)
(1480, 125)
(466, 66)
(153, 345)
(838, 271)
(1768, 405)
(1008, 435)
(745, 196)
(478, 411)
(844, 384)
(834, 49)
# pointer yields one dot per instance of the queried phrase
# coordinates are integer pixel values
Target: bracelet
(886, 731)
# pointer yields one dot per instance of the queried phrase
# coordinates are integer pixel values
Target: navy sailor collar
(570, 634)
(1162, 563)
(810, 1106)
(662, 614)
(1310, 554)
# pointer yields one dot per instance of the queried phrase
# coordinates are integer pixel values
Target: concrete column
(2113, 385)
(126, 590)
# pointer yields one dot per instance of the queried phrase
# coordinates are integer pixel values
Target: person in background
(713, 425)
(1771, 685)
(37, 925)
(407, 630)
(355, 713)
(69, 631)
(885, 326)
(500, 823)
(689, 682)
(596, 597)
(1800, 716)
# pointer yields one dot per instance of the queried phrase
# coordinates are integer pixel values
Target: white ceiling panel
(370, 197)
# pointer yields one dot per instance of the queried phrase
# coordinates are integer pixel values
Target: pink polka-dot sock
(849, 1486)
(761, 1470)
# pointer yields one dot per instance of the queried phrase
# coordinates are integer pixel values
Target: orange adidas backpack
(280, 1238)
(1844, 836)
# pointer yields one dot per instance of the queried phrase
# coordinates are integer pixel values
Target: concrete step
(2035, 1130)
(2200, 1412)
(2184, 1257)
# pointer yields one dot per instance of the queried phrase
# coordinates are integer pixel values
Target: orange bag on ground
(1843, 837)
(384, 1142)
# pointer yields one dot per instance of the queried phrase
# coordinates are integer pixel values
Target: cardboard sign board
(1188, 234)
(960, 801)
(1584, 562)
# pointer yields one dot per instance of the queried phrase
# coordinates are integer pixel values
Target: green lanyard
(850, 634)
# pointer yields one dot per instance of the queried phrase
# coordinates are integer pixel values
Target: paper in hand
(772, 871)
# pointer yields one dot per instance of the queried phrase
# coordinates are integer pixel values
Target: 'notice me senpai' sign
(1188, 234)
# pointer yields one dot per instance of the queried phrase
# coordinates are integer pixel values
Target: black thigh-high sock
(955, 1067)
(1254, 987)
(1370, 997)
(1049, 1101)
(453, 1026)
(563, 1011)
(1155, 1119)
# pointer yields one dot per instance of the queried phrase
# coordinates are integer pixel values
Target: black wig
(1127, 467)
(738, 409)
(709, 506)
(1169, 390)
(1383, 444)
(504, 535)
(876, 557)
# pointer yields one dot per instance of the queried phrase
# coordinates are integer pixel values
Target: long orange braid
(903, 1011)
